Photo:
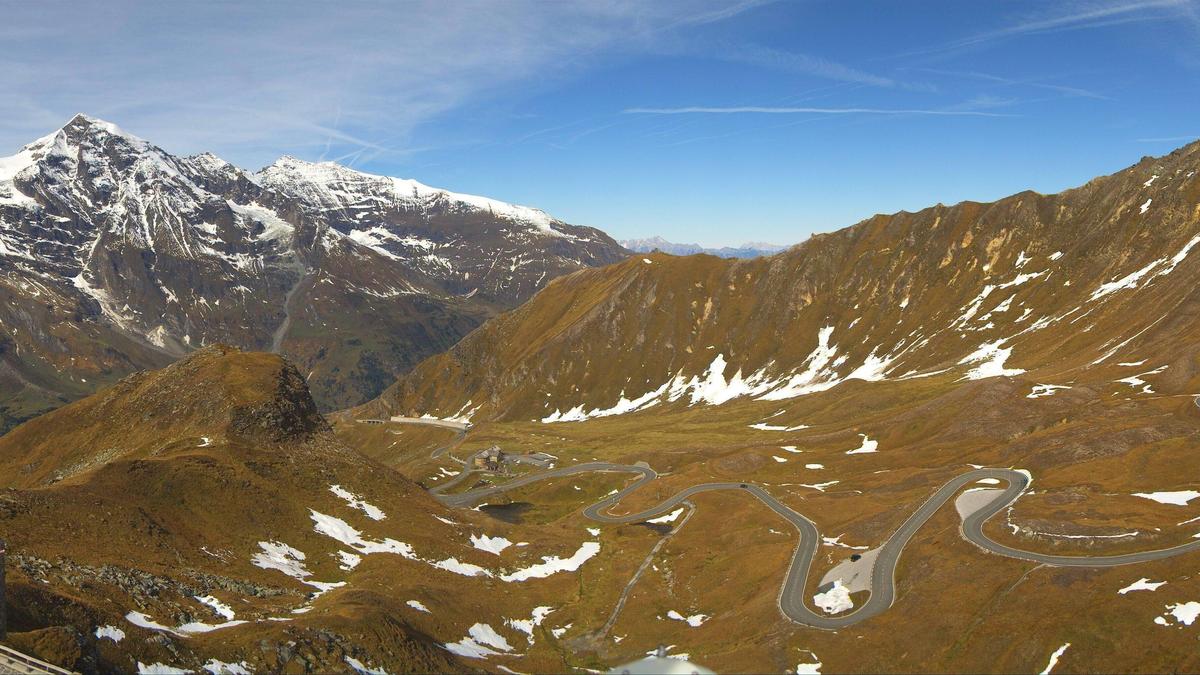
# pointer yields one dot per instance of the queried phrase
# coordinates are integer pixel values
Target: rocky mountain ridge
(1056, 289)
(119, 256)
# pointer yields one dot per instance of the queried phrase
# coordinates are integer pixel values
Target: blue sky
(711, 121)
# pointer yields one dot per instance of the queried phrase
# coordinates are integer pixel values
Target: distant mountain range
(752, 249)
(117, 256)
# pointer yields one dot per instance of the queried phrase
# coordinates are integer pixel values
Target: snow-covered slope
(474, 244)
(334, 187)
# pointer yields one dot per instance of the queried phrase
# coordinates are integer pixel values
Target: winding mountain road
(792, 593)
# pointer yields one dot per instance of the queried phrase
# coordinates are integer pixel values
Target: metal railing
(14, 661)
(3, 617)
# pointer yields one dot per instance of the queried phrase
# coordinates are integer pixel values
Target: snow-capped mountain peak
(336, 187)
(136, 255)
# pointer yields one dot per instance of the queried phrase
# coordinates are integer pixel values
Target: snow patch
(279, 556)
(111, 632)
(622, 407)
(809, 668)
(274, 227)
(553, 564)
(160, 669)
(223, 610)
(466, 569)
(1054, 658)
(837, 541)
(1184, 613)
(669, 518)
(144, 621)
(480, 643)
(835, 600)
(1131, 280)
(348, 560)
(820, 487)
(218, 667)
(818, 374)
(868, 446)
(526, 626)
(763, 426)
(493, 545)
(991, 357)
(362, 669)
(356, 502)
(342, 531)
(1041, 390)
(1137, 381)
(695, 620)
(1178, 498)
(1143, 584)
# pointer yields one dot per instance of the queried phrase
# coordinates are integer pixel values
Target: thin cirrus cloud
(783, 110)
(1092, 15)
(351, 80)
(1000, 80)
(806, 64)
(1076, 16)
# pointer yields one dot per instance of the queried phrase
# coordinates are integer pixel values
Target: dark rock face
(289, 413)
(117, 256)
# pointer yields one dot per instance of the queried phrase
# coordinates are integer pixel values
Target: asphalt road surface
(791, 594)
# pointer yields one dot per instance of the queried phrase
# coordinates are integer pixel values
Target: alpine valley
(490, 441)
